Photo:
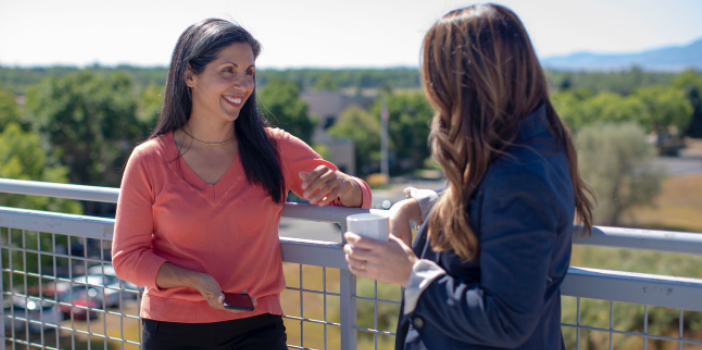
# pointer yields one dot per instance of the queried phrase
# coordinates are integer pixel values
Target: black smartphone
(237, 301)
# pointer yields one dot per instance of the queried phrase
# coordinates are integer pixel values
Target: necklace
(209, 143)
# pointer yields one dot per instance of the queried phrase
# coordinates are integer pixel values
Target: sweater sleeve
(297, 156)
(517, 236)
(132, 256)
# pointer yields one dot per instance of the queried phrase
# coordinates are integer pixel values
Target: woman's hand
(401, 213)
(389, 261)
(209, 288)
(170, 276)
(323, 185)
(211, 291)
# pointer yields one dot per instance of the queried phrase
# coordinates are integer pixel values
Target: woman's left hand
(389, 261)
(323, 185)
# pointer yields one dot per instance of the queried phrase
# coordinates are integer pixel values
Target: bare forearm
(353, 196)
(170, 276)
(401, 214)
(410, 210)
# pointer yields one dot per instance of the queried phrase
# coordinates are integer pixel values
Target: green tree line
(18, 79)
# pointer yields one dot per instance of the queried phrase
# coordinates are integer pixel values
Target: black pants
(265, 332)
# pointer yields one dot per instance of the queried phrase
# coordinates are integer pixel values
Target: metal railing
(45, 249)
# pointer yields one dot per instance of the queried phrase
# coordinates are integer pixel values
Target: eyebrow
(237, 66)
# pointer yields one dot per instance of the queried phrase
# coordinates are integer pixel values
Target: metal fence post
(2, 296)
(348, 309)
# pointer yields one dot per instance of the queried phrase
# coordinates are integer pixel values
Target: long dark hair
(481, 74)
(198, 46)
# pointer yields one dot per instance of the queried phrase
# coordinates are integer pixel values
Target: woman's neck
(207, 131)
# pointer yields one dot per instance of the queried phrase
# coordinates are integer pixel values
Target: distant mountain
(671, 58)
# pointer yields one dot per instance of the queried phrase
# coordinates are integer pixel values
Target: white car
(18, 309)
(100, 289)
(109, 272)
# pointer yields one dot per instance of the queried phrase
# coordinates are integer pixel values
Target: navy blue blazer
(508, 296)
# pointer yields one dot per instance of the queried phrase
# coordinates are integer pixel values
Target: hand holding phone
(235, 301)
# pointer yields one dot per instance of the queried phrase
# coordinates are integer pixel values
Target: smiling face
(221, 90)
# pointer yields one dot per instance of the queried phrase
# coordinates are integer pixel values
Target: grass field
(678, 207)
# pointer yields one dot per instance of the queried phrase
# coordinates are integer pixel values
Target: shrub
(615, 160)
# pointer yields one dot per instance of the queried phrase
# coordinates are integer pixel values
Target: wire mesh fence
(60, 292)
(606, 324)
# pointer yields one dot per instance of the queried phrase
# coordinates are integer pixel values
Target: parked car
(97, 289)
(18, 309)
(82, 306)
(109, 271)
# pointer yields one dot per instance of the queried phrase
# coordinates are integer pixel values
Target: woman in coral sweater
(202, 198)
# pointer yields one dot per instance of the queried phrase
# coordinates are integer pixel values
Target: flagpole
(384, 119)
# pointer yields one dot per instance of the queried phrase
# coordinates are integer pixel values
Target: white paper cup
(375, 226)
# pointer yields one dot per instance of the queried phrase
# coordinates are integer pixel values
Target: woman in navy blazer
(485, 268)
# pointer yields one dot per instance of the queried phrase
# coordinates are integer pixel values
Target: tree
(655, 108)
(695, 127)
(687, 79)
(22, 158)
(608, 107)
(363, 129)
(567, 105)
(667, 107)
(408, 128)
(281, 104)
(149, 106)
(326, 82)
(620, 82)
(691, 82)
(90, 122)
(615, 160)
(9, 112)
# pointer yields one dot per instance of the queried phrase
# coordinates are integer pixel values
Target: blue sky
(331, 33)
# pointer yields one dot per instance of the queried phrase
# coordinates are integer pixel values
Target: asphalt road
(685, 164)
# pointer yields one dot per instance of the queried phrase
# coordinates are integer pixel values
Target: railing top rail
(110, 195)
(602, 236)
(69, 191)
(640, 239)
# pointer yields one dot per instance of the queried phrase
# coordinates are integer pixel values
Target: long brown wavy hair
(481, 74)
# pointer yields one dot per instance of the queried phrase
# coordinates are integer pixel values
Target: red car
(83, 307)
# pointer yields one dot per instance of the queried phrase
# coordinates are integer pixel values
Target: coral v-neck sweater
(229, 230)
